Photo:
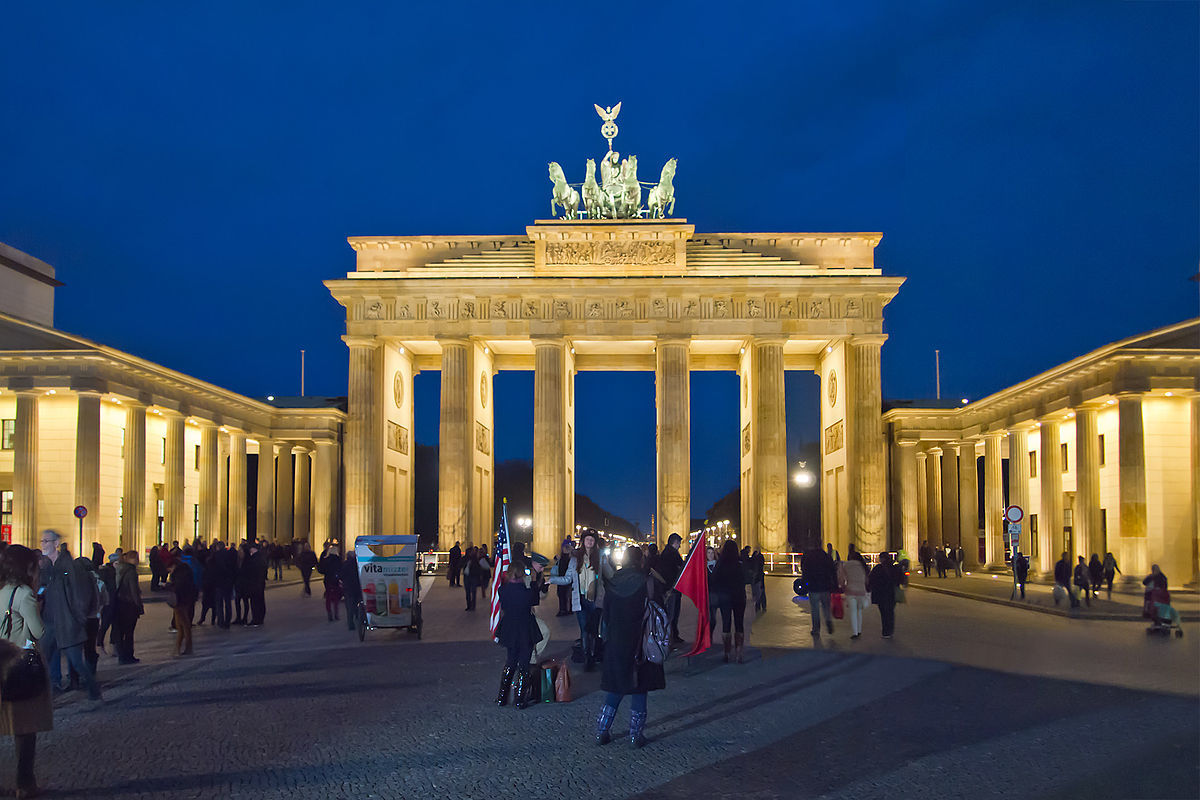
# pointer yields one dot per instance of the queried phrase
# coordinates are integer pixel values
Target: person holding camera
(518, 631)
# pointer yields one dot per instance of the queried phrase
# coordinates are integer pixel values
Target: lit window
(1102, 449)
(1033, 463)
(1065, 458)
(196, 462)
(164, 450)
(8, 434)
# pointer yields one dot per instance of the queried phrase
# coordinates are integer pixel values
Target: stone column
(922, 499)
(1195, 405)
(222, 486)
(456, 445)
(175, 528)
(265, 528)
(210, 515)
(865, 406)
(87, 470)
(993, 499)
(968, 504)
(908, 498)
(133, 487)
(672, 384)
(951, 534)
(549, 445)
(238, 506)
(324, 490)
(770, 445)
(1131, 487)
(25, 470)
(1018, 487)
(1088, 538)
(302, 501)
(285, 494)
(1050, 518)
(364, 440)
(933, 490)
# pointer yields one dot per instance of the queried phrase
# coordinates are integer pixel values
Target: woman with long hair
(23, 719)
(587, 573)
(729, 579)
(518, 631)
(852, 579)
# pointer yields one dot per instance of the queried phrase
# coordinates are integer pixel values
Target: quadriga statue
(563, 194)
(662, 197)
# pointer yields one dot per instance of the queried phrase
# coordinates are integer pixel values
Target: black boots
(524, 696)
(603, 723)
(739, 644)
(725, 641)
(506, 679)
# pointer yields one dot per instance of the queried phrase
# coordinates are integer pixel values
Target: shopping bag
(562, 684)
(548, 670)
(1059, 593)
(901, 595)
(837, 605)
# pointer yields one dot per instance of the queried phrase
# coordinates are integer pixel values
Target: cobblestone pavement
(967, 700)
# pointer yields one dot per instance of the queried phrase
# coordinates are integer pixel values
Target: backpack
(656, 633)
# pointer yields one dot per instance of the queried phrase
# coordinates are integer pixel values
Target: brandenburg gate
(628, 288)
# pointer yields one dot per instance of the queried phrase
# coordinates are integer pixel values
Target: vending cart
(387, 570)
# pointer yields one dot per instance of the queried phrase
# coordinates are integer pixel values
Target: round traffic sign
(81, 511)
(1014, 514)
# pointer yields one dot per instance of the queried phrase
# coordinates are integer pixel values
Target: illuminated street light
(803, 477)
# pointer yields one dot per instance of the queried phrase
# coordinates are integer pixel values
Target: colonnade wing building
(648, 295)
(1102, 454)
(153, 454)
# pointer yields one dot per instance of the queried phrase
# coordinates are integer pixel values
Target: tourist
(882, 584)
(276, 551)
(759, 566)
(1095, 574)
(182, 585)
(714, 593)
(626, 671)
(455, 566)
(97, 555)
(517, 631)
(307, 562)
(330, 567)
(24, 719)
(960, 556)
(820, 577)
(1110, 571)
(852, 580)
(942, 560)
(1021, 572)
(670, 565)
(241, 585)
(222, 565)
(728, 578)
(351, 587)
(469, 574)
(108, 574)
(1062, 581)
(561, 565)
(925, 554)
(129, 606)
(67, 602)
(1082, 582)
(255, 567)
(98, 601)
(1156, 579)
(155, 560)
(207, 583)
(485, 569)
(587, 572)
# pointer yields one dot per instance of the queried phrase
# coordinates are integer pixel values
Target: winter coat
(882, 583)
(129, 591)
(37, 713)
(727, 578)
(1081, 576)
(351, 585)
(183, 584)
(330, 567)
(669, 565)
(517, 626)
(1062, 572)
(307, 562)
(818, 571)
(1096, 571)
(67, 603)
(852, 577)
(1021, 567)
(572, 579)
(624, 608)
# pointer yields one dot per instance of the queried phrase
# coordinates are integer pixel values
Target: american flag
(503, 559)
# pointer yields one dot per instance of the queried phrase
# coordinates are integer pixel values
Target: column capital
(673, 338)
(921, 455)
(360, 341)
(907, 441)
(994, 435)
(859, 340)
(933, 451)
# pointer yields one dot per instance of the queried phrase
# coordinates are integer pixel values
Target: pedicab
(387, 570)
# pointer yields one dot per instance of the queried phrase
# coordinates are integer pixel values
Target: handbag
(837, 605)
(562, 684)
(22, 674)
(549, 670)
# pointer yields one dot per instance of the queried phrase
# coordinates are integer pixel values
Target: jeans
(258, 606)
(887, 615)
(469, 587)
(637, 701)
(123, 623)
(856, 606)
(224, 609)
(76, 661)
(817, 601)
(277, 569)
(306, 574)
(586, 607)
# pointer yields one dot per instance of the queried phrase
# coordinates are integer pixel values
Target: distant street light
(803, 477)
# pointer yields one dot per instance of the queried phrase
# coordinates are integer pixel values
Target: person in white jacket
(587, 573)
(852, 580)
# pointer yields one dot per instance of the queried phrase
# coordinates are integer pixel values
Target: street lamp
(803, 477)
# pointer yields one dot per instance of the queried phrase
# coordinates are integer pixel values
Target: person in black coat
(882, 583)
(820, 577)
(728, 579)
(669, 566)
(307, 562)
(455, 567)
(625, 669)
(351, 587)
(330, 567)
(1021, 572)
(518, 632)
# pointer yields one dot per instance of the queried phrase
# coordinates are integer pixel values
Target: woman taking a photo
(23, 719)
(586, 575)
(728, 578)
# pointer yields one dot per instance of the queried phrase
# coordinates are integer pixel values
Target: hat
(112, 557)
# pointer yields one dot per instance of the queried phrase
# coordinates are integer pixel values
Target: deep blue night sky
(192, 174)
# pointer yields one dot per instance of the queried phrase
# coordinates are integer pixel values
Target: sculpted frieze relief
(610, 253)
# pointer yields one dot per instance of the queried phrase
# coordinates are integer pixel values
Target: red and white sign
(1014, 514)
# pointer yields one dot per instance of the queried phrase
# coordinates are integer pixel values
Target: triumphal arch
(627, 288)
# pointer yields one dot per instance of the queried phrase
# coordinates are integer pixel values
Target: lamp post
(804, 477)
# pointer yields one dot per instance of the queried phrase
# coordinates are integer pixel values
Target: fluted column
(285, 494)
(302, 501)
(133, 487)
(209, 492)
(25, 470)
(951, 534)
(1131, 460)
(1086, 519)
(993, 499)
(549, 445)
(907, 468)
(222, 533)
(922, 499)
(324, 490)
(968, 504)
(364, 440)
(1195, 406)
(1050, 537)
(265, 528)
(865, 404)
(770, 446)
(933, 495)
(456, 443)
(238, 506)
(175, 528)
(672, 384)
(87, 468)
(1018, 485)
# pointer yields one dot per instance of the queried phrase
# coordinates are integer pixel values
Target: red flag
(693, 584)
